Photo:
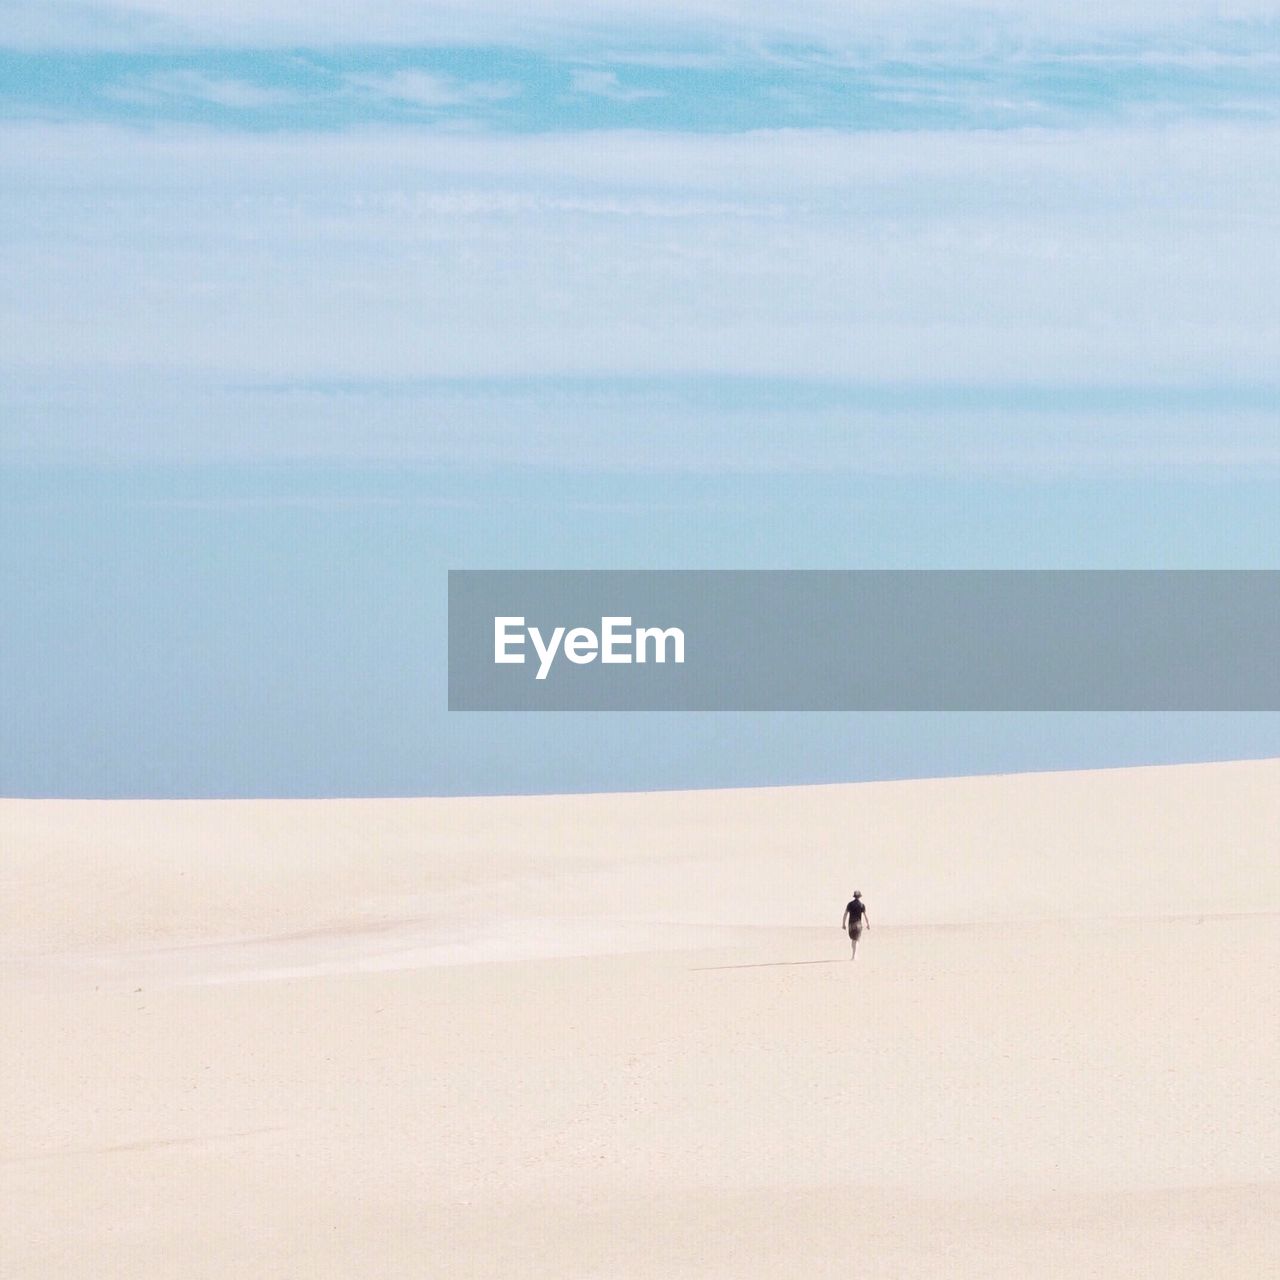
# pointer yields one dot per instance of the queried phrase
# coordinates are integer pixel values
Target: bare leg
(853, 947)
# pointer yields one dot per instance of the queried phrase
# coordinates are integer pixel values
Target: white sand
(619, 1036)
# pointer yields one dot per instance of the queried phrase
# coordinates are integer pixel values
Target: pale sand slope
(618, 1035)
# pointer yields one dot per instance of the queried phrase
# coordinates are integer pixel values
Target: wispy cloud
(1195, 35)
(1065, 258)
(1190, 59)
(605, 84)
(545, 23)
(706, 425)
(199, 86)
(424, 89)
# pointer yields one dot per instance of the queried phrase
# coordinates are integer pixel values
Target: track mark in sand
(766, 964)
(151, 1144)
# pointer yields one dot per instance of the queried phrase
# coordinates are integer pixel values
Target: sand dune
(620, 1036)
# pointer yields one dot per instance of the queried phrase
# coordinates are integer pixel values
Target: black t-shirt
(856, 911)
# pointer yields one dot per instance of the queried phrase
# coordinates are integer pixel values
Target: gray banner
(933, 640)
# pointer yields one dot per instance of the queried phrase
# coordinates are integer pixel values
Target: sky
(303, 305)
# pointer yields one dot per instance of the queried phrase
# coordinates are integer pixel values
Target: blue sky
(301, 306)
(701, 88)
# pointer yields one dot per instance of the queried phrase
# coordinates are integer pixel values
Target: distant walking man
(855, 919)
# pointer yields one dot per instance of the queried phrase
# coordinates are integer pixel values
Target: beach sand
(620, 1036)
